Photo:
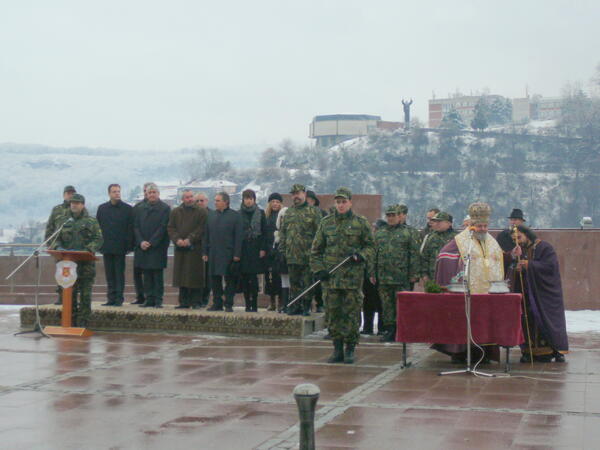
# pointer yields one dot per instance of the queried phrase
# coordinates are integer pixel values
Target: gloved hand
(322, 275)
(357, 258)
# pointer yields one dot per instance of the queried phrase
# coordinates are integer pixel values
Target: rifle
(316, 283)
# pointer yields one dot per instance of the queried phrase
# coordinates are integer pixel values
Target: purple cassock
(545, 306)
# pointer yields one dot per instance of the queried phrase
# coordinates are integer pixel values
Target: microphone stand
(467, 288)
(37, 327)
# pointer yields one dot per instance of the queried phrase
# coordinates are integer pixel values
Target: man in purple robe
(537, 277)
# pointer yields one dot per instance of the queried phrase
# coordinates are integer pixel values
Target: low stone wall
(578, 254)
(131, 318)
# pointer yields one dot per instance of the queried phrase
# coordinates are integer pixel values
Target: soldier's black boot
(254, 302)
(349, 354)
(338, 352)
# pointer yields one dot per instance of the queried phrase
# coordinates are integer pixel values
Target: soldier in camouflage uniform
(434, 241)
(57, 217)
(416, 234)
(340, 235)
(428, 225)
(82, 233)
(396, 265)
(295, 238)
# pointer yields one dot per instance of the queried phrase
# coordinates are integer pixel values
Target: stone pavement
(157, 391)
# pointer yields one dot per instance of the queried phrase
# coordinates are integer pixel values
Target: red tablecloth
(440, 318)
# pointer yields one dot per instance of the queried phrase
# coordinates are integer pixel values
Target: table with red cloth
(440, 318)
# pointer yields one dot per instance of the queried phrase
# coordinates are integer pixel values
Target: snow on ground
(583, 321)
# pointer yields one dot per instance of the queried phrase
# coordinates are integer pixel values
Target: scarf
(252, 221)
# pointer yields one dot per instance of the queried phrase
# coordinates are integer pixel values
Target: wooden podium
(67, 296)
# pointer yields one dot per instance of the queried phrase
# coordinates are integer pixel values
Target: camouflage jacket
(82, 233)
(339, 236)
(397, 255)
(297, 232)
(434, 243)
(59, 214)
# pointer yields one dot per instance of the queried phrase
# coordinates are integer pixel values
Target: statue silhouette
(406, 106)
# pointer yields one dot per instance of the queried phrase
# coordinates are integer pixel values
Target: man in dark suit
(116, 222)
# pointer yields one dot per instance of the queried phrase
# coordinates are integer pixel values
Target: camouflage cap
(69, 188)
(297, 188)
(343, 192)
(402, 209)
(441, 216)
(77, 198)
(391, 209)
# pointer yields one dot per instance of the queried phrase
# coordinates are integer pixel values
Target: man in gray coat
(223, 250)
(186, 227)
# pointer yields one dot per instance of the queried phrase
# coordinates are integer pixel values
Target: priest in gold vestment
(486, 263)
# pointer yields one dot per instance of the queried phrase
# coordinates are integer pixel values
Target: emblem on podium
(66, 273)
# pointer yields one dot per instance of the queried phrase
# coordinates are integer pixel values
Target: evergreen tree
(480, 121)
(452, 121)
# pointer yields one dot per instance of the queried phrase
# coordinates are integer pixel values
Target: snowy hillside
(35, 176)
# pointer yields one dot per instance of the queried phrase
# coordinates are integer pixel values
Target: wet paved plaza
(157, 391)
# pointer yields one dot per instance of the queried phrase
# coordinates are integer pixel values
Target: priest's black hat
(517, 214)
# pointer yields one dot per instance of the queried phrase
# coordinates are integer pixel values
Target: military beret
(77, 198)
(343, 192)
(441, 216)
(297, 188)
(69, 188)
(402, 209)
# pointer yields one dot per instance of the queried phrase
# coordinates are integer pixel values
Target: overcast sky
(138, 74)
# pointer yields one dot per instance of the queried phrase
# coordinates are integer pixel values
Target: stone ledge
(133, 318)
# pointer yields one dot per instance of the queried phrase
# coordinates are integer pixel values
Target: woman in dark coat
(152, 243)
(272, 275)
(254, 248)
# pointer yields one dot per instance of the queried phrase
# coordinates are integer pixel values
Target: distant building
(463, 104)
(521, 110)
(546, 108)
(536, 108)
(332, 129)
(389, 126)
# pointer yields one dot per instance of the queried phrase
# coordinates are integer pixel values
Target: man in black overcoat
(116, 222)
(223, 251)
(152, 243)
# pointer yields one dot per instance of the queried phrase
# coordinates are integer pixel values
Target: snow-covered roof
(210, 183)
